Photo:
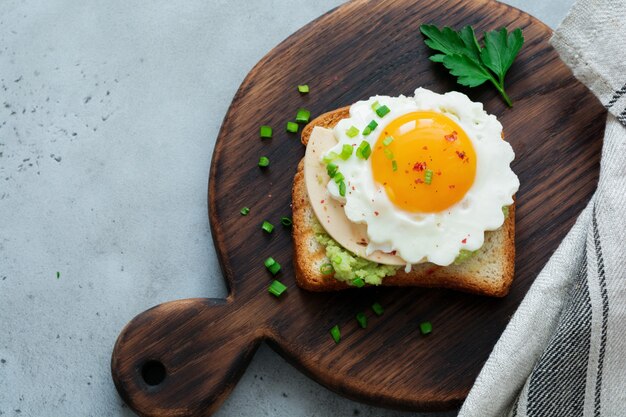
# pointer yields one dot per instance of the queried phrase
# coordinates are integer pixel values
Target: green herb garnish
(346, 151)
(342, 189)
(370, 127)
(362, 319)
(276, 288)
(286, 221)
(303, 116)
(358, 282)
(244, 211)
(378, 309)
(428, 176)
(352, 132)
(264, 161)
(327, 269)
(364, 150)
(335, 333)
(272, 265)
(426, 327)
(330, 157)
(387, 141)
(382, 111)
(267, 226)
(303, 89)
(291, 127)
(265, 132)
(470, 62)
(331, 169)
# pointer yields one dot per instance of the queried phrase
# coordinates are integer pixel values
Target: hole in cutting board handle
(153, 373)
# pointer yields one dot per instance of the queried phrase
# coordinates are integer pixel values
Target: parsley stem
(500, 88)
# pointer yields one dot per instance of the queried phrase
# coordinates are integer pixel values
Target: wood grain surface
(184, 357)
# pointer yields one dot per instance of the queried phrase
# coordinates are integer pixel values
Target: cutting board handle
(183, 357)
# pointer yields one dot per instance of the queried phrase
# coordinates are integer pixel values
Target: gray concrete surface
(108, 115)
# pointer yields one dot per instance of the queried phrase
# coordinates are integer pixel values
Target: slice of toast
(488, 272)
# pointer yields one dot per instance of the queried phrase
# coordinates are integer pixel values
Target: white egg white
(429, 237)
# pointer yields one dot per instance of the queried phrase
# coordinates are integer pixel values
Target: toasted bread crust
(497, 255)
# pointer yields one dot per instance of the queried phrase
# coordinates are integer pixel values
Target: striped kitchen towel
(564, 351)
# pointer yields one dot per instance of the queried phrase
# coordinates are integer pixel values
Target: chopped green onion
(428, 176)
(286, 221)
(394, 166)
(362, 319)
(335, 333)
(267, 226)
(272, 265)
(330, 157)
(388, 154)
(327, 269)
(277, 288)
(292, 127)
(58, 275)
(303, 116)
(364, 150)
(505, 211)
(387, 141)
(303, 89)
(264, 161)
(358, 282)
(370, 127)
(382, 111)
(331, 169)
(336, 259)
(378, 309)
(426, 327)
(375, 105)
(265, 132)
(346, 151)
(342, 189)
(244, 211)
(338, 177)
(352, 132)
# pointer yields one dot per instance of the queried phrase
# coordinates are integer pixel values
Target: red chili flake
(438, 172)
(419, 166)
(451, 186)
(376, 213)
(425, 148)
(460, 154)
(464, 241)
(322, 202)
(451, 137)
(419, 181)
(353, 188)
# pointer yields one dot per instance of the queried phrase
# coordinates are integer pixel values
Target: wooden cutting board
(183, 358)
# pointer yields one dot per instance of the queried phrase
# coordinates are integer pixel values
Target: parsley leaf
(500, 50)
(460, 52)
(469, 72)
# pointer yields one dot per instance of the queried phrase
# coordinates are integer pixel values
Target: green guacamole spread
(348, 266)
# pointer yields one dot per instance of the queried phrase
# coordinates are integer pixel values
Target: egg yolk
(427, 166)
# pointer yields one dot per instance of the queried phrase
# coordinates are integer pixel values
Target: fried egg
(426, 175)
